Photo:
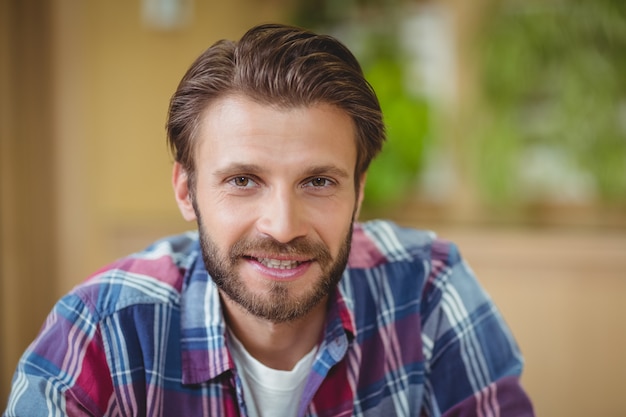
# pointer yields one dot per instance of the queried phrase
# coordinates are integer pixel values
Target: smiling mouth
(279, 263)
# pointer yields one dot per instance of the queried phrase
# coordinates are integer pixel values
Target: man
(281, 304)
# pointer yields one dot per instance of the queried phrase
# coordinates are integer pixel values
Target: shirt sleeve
(473, 363)
(64, 371)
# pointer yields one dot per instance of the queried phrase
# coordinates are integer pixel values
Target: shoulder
(390, 271)
(152, 276)
(381, 242)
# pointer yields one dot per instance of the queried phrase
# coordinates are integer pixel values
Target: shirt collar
(203, 341)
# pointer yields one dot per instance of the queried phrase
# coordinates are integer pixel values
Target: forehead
(236, 128)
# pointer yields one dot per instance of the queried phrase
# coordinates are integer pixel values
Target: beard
(277, 304)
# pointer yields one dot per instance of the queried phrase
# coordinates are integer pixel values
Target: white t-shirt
(269, 392)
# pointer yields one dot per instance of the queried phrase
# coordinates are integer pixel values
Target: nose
(282, 216)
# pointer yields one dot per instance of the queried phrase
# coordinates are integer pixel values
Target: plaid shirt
(409, 332)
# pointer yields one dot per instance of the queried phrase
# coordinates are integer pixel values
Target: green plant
(394, 172)
(553, 77)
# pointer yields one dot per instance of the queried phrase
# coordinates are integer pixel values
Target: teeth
(277, 263)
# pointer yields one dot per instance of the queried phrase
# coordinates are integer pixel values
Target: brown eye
(319, 182)
(241, 181)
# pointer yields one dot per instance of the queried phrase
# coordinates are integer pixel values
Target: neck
(276, 345)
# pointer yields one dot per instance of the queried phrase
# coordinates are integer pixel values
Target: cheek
(333, 226)
(224, 222)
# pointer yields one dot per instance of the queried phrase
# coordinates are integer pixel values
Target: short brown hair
(282, 66)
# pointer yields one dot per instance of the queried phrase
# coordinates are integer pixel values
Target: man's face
(275, 200)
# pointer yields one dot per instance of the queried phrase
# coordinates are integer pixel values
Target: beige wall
(99, 188)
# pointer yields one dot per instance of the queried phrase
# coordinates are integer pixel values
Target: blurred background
(507, 134)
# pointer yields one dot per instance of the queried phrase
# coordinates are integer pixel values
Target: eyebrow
(238, 168)
(332, 170)
(254, 169)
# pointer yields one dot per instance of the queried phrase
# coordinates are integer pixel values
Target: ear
(180, 181)
(360, 196)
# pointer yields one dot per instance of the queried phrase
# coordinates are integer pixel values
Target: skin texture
(279, 184)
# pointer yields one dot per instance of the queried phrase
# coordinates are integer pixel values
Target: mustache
(300, 246)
